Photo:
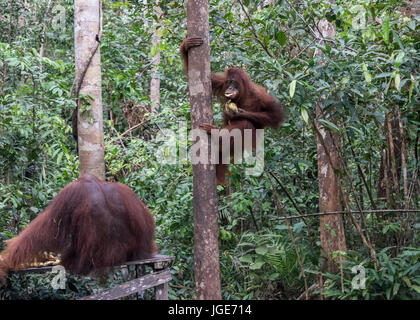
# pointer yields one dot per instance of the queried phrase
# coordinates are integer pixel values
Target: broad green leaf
(368, 76)
(385, 29)
(330, 125)
(257, 265)
(399, 59)
(60, 156)
(416, 287)
(246, 258)
(396, 288)
(407, 281)
(261, 250)
(412, 25)
(304, 114)
(153, 50)
(281, 38)
(292, 88)
(388, 293)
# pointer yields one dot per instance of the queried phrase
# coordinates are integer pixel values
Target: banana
(231, 106)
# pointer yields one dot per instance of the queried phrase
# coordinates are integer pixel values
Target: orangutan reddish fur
(93, 224)
(257, 109)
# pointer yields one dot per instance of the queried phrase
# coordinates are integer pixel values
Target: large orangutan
(93, 224)
(246, 104)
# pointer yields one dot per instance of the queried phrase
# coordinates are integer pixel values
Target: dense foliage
(370, 69)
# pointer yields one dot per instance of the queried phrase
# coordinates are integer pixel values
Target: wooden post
(161, 292)
(206, 230)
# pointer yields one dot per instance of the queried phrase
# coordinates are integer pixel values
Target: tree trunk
(206, 250)
(390, 168)
(331, 226)
(155, 81)
(44, 28)
(87, 34)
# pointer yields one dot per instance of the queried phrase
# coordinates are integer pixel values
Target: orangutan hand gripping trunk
(93, 224)
(246, 104)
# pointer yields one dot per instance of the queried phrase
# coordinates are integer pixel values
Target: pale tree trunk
(206, 250)
(155, 81)
(21, 25)
(44, 26)
(331, 226)
(9, 37)
(21, 17)
(87, 34)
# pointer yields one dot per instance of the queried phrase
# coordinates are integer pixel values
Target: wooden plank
(133, 286)
(34, 270)
(157, 259)
(154, 259)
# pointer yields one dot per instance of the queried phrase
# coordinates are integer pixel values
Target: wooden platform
(158, 279)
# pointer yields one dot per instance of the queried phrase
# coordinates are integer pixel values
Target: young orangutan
(246, 104)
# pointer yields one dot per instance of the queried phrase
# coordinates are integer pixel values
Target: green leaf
(397, 80)
(410, 90)
(257, 265)
(412, 25)
(407, 281)
(338, 252)
(416, 288)
(399, 59)
(292, 88)
(261, 250)
(385, 29)
(60, 156)
(304, 114)
(33, 209)
(388, 293)
(396, 288)
(330, 125)
(154, 50)
(246, 258)
(281, 38)
(368, 76)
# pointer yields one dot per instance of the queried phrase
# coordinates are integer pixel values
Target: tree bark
(206, 250)
(331, 226)
(87, 34)
(155, 81)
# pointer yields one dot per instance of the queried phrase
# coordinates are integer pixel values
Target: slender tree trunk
(331, 226)
(43, 35)
(20, 31)
(206, 250)
(87, 34)
(9, 36)
(155, 81)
